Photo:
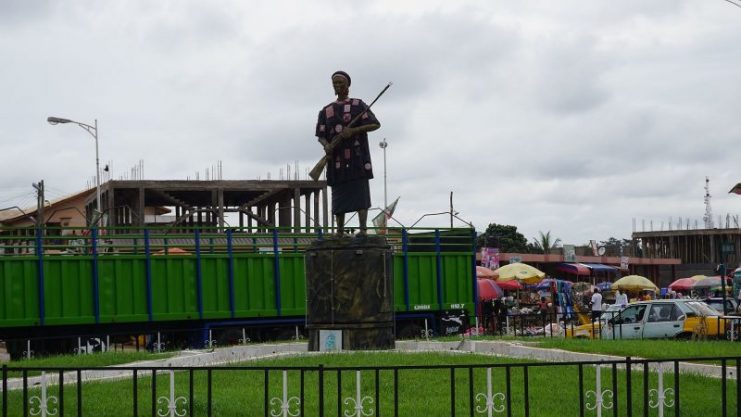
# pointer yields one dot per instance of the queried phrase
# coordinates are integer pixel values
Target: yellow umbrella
(634, 283)
(521, 272)
(698, 277)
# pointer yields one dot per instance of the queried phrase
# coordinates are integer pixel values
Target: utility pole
(383, 144)
(451, 210)
(39, 203)
(708, 217)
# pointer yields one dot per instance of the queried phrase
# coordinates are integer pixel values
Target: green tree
(504, 237)
(613, 245)
(544, 243)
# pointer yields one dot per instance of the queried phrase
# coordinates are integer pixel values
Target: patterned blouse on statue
(351, 159)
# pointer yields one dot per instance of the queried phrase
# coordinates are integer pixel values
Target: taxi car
(592, 330)
(732, 306)
(680, 318)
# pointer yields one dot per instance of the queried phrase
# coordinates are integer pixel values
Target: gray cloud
(574, 117)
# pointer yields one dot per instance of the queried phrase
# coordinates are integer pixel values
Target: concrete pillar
(284, 212)
(220, 205)
(296, 210)
(140, 207)
(270, 207)
(108, 207)
(307, 213)
(315, 197)
(325, 213)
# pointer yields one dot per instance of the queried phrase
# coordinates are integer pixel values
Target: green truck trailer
(58, 285)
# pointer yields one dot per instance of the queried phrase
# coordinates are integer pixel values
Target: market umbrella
(489, 290)
(547, 283)
(583, 286)
(172, 251)
(484, 272)
(710, 282)
(698, 277)
(682, 284)
(520, 271)
(634, 283)
(512, 285)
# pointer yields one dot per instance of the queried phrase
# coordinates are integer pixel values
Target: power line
(733, 3)
(27, 202)
(26, 194)
(58, 191)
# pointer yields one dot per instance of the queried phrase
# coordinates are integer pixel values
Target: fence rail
(213, 240)
(606, 388)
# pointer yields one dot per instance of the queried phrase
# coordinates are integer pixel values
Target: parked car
(589, 330)
(664, 319)
(732, 321)
(716, 303)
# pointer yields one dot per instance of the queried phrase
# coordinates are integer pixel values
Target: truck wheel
(409, 331)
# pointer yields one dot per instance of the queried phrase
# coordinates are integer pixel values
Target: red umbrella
(711, 282)
(682, 284)
(489, 290)
(484, 272)
(512, 285)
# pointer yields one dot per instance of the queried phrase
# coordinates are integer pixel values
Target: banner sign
(569, 253)
(624, 262)
(490, 258)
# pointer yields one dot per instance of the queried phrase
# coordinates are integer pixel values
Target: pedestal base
(349, 288)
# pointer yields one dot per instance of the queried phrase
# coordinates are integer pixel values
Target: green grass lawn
(553, 389)
(650, 349)
(641, 348)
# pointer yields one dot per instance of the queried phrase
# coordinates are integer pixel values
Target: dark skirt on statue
(350, 196)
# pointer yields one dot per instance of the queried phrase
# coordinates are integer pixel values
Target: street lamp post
(93, 130)
(383, 144)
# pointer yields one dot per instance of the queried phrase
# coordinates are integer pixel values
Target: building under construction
(700, 246)
(294, 205)
(713, 244)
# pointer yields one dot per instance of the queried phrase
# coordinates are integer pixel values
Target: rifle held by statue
(316, 172)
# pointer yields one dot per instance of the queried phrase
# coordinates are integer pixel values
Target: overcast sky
(573, 117)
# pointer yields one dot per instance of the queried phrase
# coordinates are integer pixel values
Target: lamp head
(56, 120)
(383, 144)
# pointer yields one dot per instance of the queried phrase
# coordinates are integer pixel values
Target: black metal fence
(708, 386)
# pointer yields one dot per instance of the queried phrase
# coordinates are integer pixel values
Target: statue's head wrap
(344, 75)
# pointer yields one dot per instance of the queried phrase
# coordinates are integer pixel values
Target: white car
(662, 319)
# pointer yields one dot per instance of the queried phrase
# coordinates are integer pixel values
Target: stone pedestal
(349, 287)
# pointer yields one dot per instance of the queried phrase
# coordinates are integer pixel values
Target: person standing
(596, 303)
(348, 165)
(487, 316)
(621, 299)
(543, 307)
(500, 314)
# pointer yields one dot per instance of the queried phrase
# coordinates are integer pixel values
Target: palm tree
(544, 242)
